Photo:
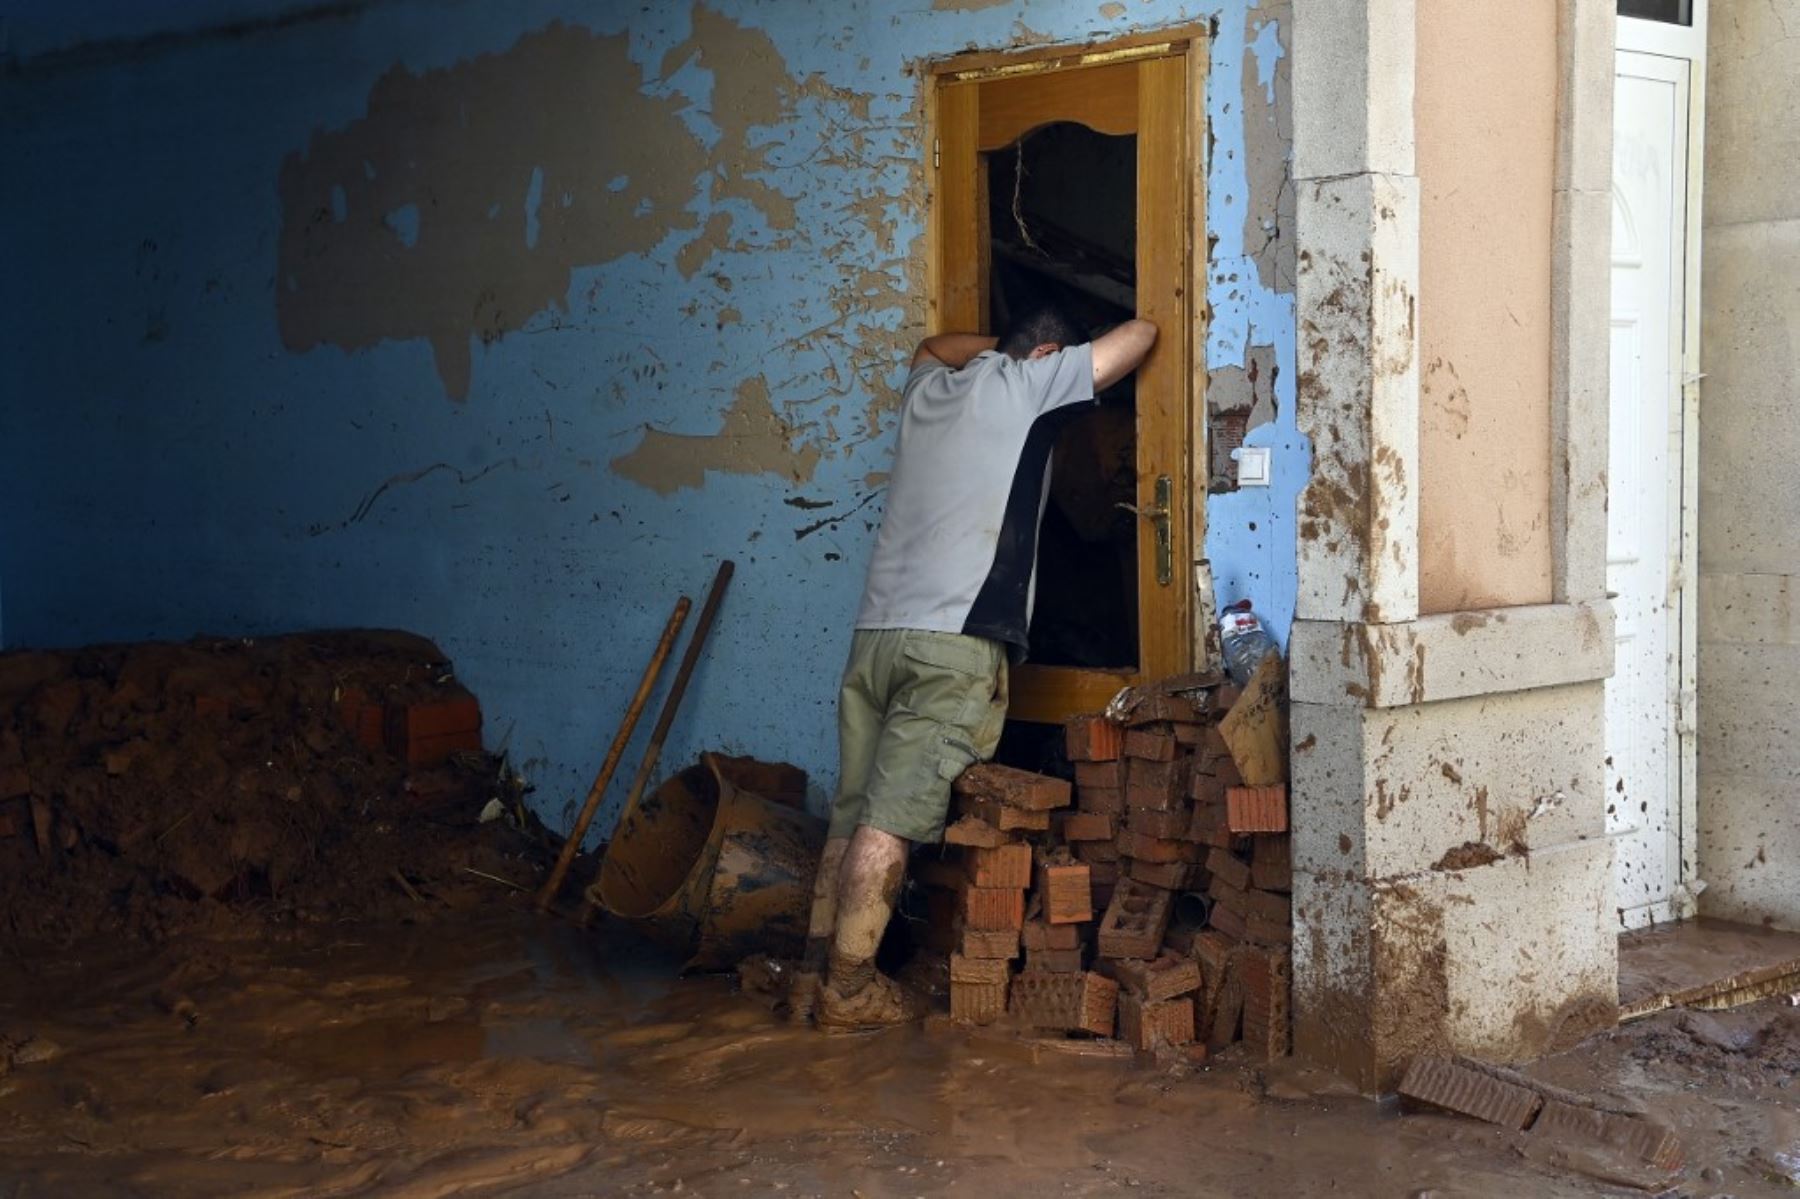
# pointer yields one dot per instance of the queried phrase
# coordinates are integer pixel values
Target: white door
(1644, 542)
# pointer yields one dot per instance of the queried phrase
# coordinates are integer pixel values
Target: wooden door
(1149, 97)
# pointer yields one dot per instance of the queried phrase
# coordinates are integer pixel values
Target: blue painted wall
(204, 427)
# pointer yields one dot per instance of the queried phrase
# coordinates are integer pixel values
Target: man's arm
(954, 350)
(1119, 350)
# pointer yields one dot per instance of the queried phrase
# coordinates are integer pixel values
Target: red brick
(1106, 801)
(969, 831)
(1100, 774)
(1149, 1026)
(212, 707)
(1134, 844)
(977, 1003)
(1161, 707)
(1230, 898)
(1226, 1005)
(1191, 736)
(1170, 876)
(1005, 817)
(1167, 825)
(1268, 932)
(1014, 788)
(1228, 868)
(1001, 866)
(1266, 980)
(1067, 890)
(1441, 1083)
(1268, 905)
(1135, 921)
(1224, 698)
(1092, 738)
(1095, 852)
(457, 711)
(429, 751)
(1641, 1139)
(989, 943)
(1054, 961)
(1207, 789)
(1257, 809)
(1156, 979)
(1272, 863)
(1151, 745)
(1086, 826)
(993, 909)
(1208, 818)
(1156, 786)
(1213, 949)
(363, 717)
(1041, 935)
(979, 970)
(1228, 922)
(1071, 1002)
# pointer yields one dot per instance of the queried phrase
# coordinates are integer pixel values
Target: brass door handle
(1159, 516)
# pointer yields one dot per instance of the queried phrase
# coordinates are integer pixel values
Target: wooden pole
(677, 689)
(572, 846)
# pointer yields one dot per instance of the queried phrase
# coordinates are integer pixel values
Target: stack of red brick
(420, 732)
(1185, 857)
(997, 806)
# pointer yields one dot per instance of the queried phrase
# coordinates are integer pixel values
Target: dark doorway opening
(1062, 218)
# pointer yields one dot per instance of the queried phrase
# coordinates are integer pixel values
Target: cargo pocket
(951, 651)
(954, 754)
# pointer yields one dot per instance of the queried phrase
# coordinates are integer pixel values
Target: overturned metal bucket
(718, 862)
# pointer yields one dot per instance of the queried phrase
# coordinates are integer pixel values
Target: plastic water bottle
(1245, 641)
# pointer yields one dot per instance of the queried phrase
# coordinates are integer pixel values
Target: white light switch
(1252, 465)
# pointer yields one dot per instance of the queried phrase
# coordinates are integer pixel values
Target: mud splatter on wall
(506, 325)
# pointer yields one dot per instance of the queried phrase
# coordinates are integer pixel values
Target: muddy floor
(505, 1053)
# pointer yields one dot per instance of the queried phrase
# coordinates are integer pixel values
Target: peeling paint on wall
(1250, 533)
(462, 145)
(670, 259)
(753, 440)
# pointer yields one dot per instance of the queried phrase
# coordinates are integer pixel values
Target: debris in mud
(317, 776)
(1581, 1133)
(718, 862)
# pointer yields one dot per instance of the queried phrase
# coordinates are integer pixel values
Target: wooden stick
(621, 739)
(677, 689)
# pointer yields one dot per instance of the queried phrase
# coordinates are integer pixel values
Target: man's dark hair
(1036, 325)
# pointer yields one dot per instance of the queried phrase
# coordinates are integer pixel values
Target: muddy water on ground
(508, 1054)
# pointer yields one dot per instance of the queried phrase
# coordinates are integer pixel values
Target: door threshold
(1704, 963)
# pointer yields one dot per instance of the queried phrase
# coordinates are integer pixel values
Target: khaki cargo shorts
(915, 710)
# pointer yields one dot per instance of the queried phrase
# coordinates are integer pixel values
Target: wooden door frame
(1189, 44)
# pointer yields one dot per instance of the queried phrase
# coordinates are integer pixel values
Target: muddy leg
(873, 869)
(803, 992)
(855, 995)
(823, 925)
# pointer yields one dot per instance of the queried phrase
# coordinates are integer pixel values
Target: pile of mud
(148, 787)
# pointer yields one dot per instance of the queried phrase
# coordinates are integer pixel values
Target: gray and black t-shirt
(957, 552)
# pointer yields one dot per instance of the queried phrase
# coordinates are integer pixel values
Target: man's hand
(954, 350)
(1119, 350)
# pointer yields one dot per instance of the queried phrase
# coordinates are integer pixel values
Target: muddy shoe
(881, 1004)
(802, 996)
